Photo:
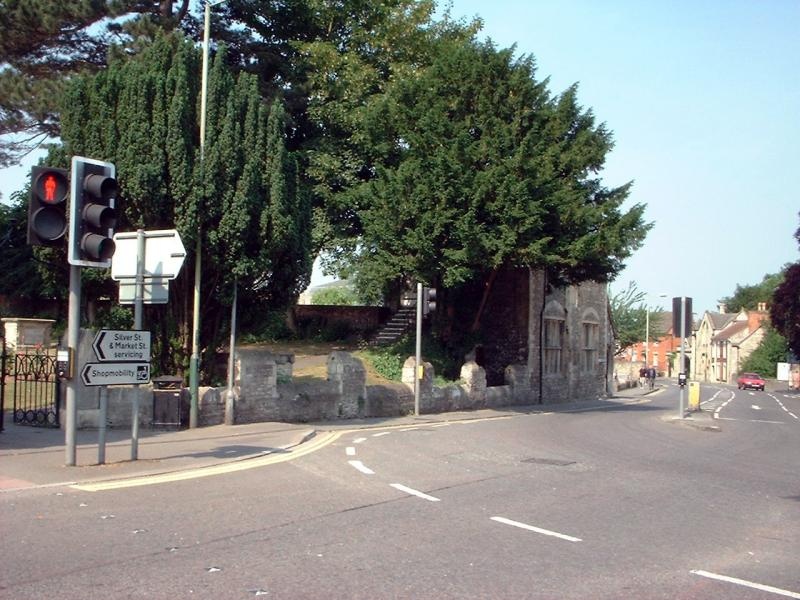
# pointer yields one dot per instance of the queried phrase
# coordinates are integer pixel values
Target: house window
(590, 343)
(553, 345)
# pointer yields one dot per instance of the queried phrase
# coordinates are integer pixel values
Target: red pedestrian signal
(47, 206)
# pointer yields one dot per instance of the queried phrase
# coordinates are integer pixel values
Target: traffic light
(47, 208)
(428, 300)
(92, 214)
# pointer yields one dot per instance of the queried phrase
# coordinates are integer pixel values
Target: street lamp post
(194, 361)
(647, 332)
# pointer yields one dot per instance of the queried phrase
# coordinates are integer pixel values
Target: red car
(752, 381)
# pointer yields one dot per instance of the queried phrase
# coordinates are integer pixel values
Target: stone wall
(356, 318)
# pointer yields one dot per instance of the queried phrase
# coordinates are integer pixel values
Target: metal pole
(102, 426)
(73, 332)
(138, 309)
(418, 354)
(194, 361)
(646, 337)
(683, 359)
(229, 401)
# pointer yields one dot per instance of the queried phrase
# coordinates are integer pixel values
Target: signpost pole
(102, 424)
(137, 324)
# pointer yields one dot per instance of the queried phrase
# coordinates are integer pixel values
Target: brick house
(662, 349)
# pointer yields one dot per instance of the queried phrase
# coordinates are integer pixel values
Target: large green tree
(481, 168)
(243, 197)
(45, 43)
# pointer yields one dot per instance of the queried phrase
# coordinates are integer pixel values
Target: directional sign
(114, 346)
(120, 373)
(154, 291)
(163, 254)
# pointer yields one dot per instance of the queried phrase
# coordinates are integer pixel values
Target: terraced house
(722, 341)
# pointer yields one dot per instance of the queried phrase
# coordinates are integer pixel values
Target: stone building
(722, 341)
(558, 339)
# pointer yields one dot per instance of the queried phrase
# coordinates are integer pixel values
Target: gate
(30, 385)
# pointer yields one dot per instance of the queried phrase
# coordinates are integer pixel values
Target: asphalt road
(594, 504)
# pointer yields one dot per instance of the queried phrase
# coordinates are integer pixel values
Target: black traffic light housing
(92, 215)
(47, 207)
(428, 300)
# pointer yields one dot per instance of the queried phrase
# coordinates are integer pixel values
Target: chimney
(762, 307)
(722, 307)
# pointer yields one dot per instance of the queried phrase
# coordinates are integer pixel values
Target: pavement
(32, 457)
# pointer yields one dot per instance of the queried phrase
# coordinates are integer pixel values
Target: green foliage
(45, 44)
(388, 360)
(747, 297)
(243, 198)
(785, 308)
(478, 168)
(114, 316)
(18, 274)
(335, 296)
(764, 359)
(264, 326)
(629, 316)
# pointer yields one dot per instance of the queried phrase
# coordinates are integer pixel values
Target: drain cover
(549, 461)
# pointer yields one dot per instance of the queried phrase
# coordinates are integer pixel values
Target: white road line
(750, 584)
(359, 440)
(714, 397)
(752, 420)
(755, 407)
(381, 434)
(791, 414)
(358, 465)
(413, 492)
(723, 405)
(350, 451)
(562, 536)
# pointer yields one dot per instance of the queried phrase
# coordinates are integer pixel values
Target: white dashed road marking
(350, 451)
(413, 492)
(561, 536)
(358, 465)
(745, 583)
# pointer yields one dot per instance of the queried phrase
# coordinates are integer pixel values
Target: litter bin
(169, 406)
(694, 395)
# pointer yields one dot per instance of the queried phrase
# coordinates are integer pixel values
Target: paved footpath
(35, 456)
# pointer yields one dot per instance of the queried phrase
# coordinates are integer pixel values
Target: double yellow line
(318, 442)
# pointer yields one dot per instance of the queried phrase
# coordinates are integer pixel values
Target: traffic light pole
(418, 354)
(73, 332)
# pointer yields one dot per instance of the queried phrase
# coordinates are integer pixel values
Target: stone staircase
(401, 323)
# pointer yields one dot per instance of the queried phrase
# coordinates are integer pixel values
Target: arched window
(590, 341)
(553, 342)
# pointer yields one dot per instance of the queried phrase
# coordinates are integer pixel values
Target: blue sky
(703, 98)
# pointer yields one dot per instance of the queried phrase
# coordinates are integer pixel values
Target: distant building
(722, 342)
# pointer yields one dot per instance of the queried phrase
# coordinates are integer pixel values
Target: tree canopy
(785, 308)
(397, 142)
(480, 167)
(243, 197)
(748, 297)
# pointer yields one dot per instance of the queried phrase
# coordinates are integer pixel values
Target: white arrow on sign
(111, 345)
(121, 373)
(163, 254)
